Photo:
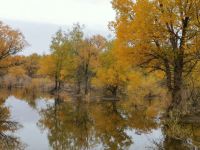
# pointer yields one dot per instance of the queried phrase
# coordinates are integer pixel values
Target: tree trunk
(78, 87)
(86, 86)
(113, 90)
(86, 79)
(59, 85)
(56, 85)
(168, 75)
(177, 88)
(178, 67)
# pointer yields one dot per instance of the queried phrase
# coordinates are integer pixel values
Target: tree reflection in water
(110, 126)
(7, 127)
(82, 125)
(178, 135)
(69, 125)
(77, 124)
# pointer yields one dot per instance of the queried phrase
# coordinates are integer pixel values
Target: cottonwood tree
(82, 56)
(53, 65)
(58, 49)
(111, 74)
(92, 47)
(161, 35)
(11, 41)
(31, 64)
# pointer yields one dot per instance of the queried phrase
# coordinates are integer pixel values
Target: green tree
(53, 65)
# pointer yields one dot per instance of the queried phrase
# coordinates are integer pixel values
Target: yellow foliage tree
(31, 64)
(111, 74)
(11, 41)
(161, 35)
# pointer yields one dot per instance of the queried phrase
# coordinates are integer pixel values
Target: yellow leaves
(123, 5)
(47, 65)
(135, 35)
(135, 80)
(17, 71)
(11, 62)
(156, 34)
(110, 76)
(111, 71)
(63, 74)
(153, 110)
(31, 64)
(141, 85)
(11, 41)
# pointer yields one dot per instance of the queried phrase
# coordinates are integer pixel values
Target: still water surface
(51, 123)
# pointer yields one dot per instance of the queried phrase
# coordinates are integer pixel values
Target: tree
(11, 41)
(161, 35)
(58, 48)
(53, 65)
(73, 58)
(82, 57)
(9, 62)
(77, 42)
(31, 64)
(90, 56)
(12, 71)
(111, 74)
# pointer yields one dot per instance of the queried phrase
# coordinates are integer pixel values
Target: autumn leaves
(161, 36)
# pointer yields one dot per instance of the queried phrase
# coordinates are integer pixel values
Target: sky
(38, 20)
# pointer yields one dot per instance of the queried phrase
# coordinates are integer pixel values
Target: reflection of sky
(30, 134)
(144, 141)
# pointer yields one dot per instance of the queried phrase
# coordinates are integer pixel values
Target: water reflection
(7, 127)
(78, 124)
(69, 125)
(181, 136)
(111, 126)
(82, 125)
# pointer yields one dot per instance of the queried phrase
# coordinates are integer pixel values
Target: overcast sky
(39, 19)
